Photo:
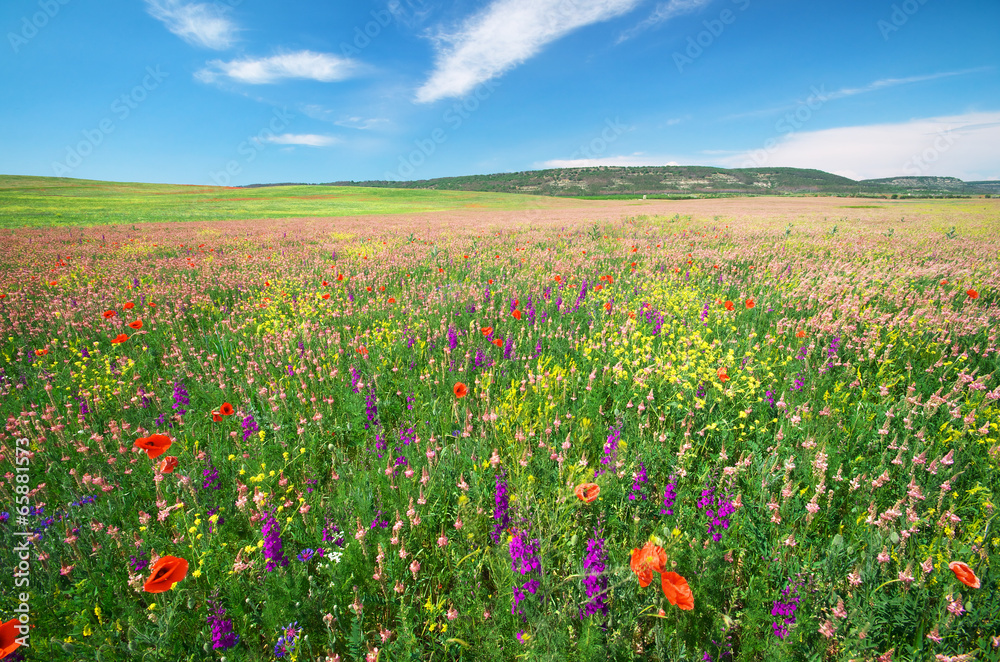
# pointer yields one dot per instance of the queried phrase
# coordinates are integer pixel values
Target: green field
(53, 201)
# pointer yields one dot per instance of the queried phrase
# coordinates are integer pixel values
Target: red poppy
(598, 287)
(607, 306)
(128, 305)
(216, 416)
(750, 303)
(120, 338)
(369, 288)
(964, 574)
(587, 492)
(381, 288)
(972, 294)
(41, 352)
(651, 558)
(489, 282)
(168, 464)
(498, 342)
(9, 633)
(944, 281)
(800, 334)
(53, 283)
(226, 409)
(136, 324)
(723, 373)
(729, 305)
(166, 572)
(154, 445)
(516, 314)
(677, 590)
(460, 390)
(325, 284)
(558, 279)
(392, 299)
(486, 330)
(340, 276)
(326, 296)
(152, 305)
(108, 314)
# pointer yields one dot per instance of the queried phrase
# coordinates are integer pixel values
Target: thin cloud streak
(661, 14)
(306, 139)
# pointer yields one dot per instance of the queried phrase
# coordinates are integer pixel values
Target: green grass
(51, 201)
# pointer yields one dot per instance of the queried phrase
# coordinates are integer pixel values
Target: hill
(687, 181)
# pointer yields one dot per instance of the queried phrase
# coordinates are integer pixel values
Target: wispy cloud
(963, 146)
(819, 92)
(307, 139)
(199, 24)
(323, 67)
(629, 161)
(663, 13)
(505, 34)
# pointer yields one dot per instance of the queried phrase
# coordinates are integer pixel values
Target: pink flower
(883, 556)
(828, 629)
(415, 568)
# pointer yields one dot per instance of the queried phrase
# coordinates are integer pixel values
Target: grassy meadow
(41, 202)
(737, 432)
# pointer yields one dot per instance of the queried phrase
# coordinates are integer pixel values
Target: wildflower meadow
(698, 436)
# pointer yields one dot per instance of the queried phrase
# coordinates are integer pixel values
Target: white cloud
(963, 146)
(630, 161)
(505, 34)
(323, 67)
(198, 24)
(307, 139)
(663, 13)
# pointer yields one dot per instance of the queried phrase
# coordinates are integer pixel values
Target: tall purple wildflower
(249, 427)
(718, 509)
(637, 484)
(524, 560)
(508, 348)
(669, 496)
(452, 339)
(181, 399)
(501, 508)
(271, 531)
(595, 581)
(223, 636)
(610, 450)
(784, 609)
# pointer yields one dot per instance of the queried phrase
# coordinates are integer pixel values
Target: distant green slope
(702, 181)
(54, 201)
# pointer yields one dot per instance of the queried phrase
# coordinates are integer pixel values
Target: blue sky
(246, 91)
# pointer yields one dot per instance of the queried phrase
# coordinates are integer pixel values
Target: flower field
(737, 437)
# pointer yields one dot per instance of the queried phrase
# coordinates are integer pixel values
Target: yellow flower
(87, 631)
